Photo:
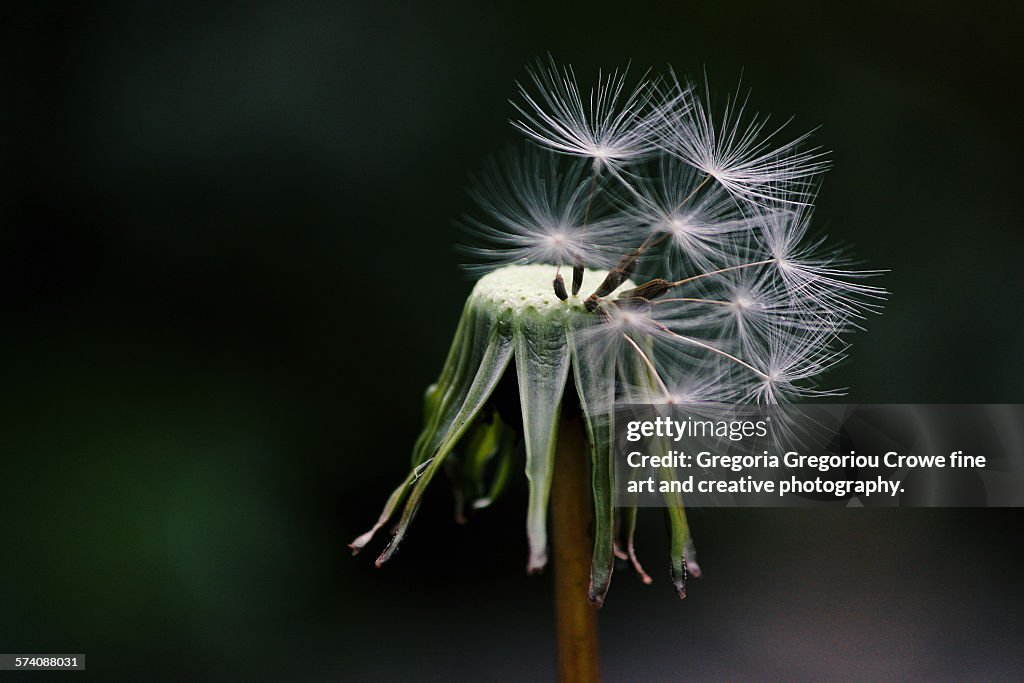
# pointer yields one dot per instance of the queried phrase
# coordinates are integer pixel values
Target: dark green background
(227, 275)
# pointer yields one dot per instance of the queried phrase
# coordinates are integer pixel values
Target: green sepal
(681, 550)
(542, 366)
(480, 466)
(594, 373)
(502, 469)
(461, 401)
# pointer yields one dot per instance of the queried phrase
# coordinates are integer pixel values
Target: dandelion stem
(649, 364)
(693, 194)
(577, 270)
(720, 352)
(721, 270)
(571, 514)
(590, 198)
(693, 301)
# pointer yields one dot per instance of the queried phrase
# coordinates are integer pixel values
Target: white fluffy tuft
(713, 206)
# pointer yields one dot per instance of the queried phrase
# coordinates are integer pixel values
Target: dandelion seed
(699, 223)
(611, 126)
(810, 271)
(739, 151)
(788, 361)
(534, 209)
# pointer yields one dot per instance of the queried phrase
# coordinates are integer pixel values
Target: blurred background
(227, 276)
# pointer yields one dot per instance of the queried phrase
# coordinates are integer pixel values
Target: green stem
(571, 515)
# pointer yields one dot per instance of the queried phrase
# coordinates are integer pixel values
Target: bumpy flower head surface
(524, 293)
(694, 279)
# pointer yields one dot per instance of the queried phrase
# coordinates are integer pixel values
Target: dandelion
(704, 289)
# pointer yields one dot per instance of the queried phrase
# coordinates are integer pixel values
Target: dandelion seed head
(695, 278)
